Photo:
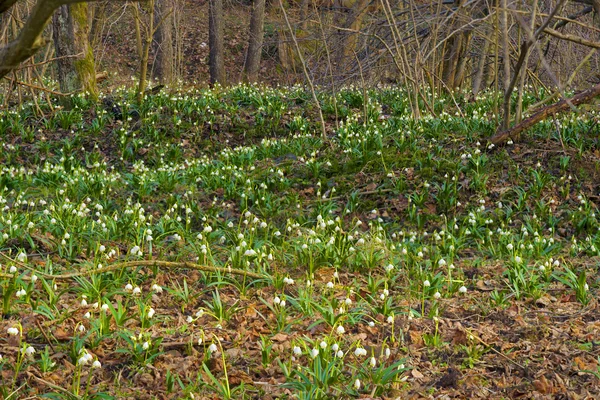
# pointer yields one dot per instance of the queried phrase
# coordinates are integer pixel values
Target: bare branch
(572, 38)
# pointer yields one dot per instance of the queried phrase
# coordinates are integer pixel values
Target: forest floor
(212, 244)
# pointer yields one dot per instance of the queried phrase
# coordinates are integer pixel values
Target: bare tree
(255, 41)
(75, 59)
(216, 63)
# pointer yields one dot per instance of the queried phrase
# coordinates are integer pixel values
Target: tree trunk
(215, 42)
(478, 79)
(257, 21)
(163, 41)
(76, 69)
(98, 19)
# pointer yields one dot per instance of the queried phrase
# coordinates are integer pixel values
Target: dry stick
(403, 69)
(496, 351)
(364, 89)
(53, 386)
(545, 112)
(569, 81)
(329, 65)
(32, 86)
(142, 263)
(525, 47)
(306, 74)
(572, 38)
(399, 67)
(519, 111)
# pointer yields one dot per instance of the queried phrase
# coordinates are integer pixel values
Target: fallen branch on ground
(584, 97)
(141, 263)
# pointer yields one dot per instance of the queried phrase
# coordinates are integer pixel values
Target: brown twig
(141, 263)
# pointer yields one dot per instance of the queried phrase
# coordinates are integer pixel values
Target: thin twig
(141, 263)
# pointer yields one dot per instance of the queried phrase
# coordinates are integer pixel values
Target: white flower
(348, 301)
(276, 300)
(87, 315)
(360, 352)
(463, 289)
(21, 293)
(212, 348)
(297, 350)
(129, 287)
(189, 319)
(330, 285)
(282, 304)
(335, 347)
(314, 353)
(96, 364)
(29, 351)
(250, 253)
(84, 303)
(371, 324)
(104, 307)
(373, 362)
(390, 319)
(157, 288)
(135, 250)
(357, 384)
(136, 290)
(12, 269)
(146, 345)
(339, 354)
(323, 344)
(437, 295)
(13, 331)
(102, 248)
(151, 313)
(81, 328)
(426, 283)
(340, 330)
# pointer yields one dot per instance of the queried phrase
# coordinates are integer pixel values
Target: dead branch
(141, 263)
(563, 105)
(572, 38)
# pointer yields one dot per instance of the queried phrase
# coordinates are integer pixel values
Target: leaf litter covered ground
(394, 259)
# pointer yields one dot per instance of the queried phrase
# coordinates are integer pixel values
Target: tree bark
(257, 21)
(164, 69)
(563, 105)
(30, 38)
(76, 69)
(216, 64)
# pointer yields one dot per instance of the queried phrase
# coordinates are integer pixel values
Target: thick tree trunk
(257, 21)
(216, 63)
(76, 69)
(164, 69)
